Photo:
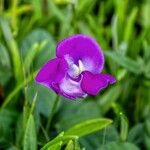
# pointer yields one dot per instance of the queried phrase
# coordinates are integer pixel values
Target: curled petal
(52, 72)
(71, 89)
(84, 48)
(92, 84)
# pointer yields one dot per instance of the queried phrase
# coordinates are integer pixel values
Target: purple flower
(76, 70)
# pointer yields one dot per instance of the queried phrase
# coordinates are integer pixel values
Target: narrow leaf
(30, 141)
(14, 51)
(64, 139)
(131, 65)
(56, 146)
(87, 127)
(124, 127)
(33, 51)
(130, 23)
(70, 145)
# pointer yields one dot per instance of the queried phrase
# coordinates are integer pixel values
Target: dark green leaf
(119, 146)
(75, 112)
(42, 54)
(5, 68)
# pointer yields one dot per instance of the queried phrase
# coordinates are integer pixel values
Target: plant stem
(1, 6)
(44, 132)
(52, 113)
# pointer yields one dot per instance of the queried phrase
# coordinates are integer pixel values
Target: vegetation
(33, 117)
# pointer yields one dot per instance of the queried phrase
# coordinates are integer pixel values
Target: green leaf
(119, 146)
(146, 50)
(136, 134)
(28, 110)
(147, 141)
(75, 112)
(60, 138)
(84, 6)
(131, 65)
(123, 127)
(19, 10)
(56, 146)
(87, 127)
(13, 48)
(17, 89)
(63, 2)
(147, 126)
(41, 54)
(130, 24)
(115, 32)
(5, 68)
(45, 98)
(147, 70)
(35, 49)
(145, 15)
(97, 139)
(107, 99)
(7, 119)
(56, 12)
(30, 141)
(37, 5)
(147, 133)
(70, 145)
(121, 7)
(19, 131)
(76, 145)
(4, 56)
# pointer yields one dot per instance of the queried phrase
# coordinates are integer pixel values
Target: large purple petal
(84, 48)
(52, 72)
(92, 84)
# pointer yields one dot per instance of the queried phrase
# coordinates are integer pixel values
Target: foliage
(32, 117)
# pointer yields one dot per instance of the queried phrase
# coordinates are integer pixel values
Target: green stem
(1, 6)
(44, 132)
(14, 14)
(52, 113)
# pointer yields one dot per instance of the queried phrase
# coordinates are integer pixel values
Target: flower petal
(52, 72)
(84, 48)
(71, 89)
(109, 78)
(92, 84)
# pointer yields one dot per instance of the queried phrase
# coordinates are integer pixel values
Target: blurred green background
(31, 115)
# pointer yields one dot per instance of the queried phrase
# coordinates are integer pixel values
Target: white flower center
(74, 69)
